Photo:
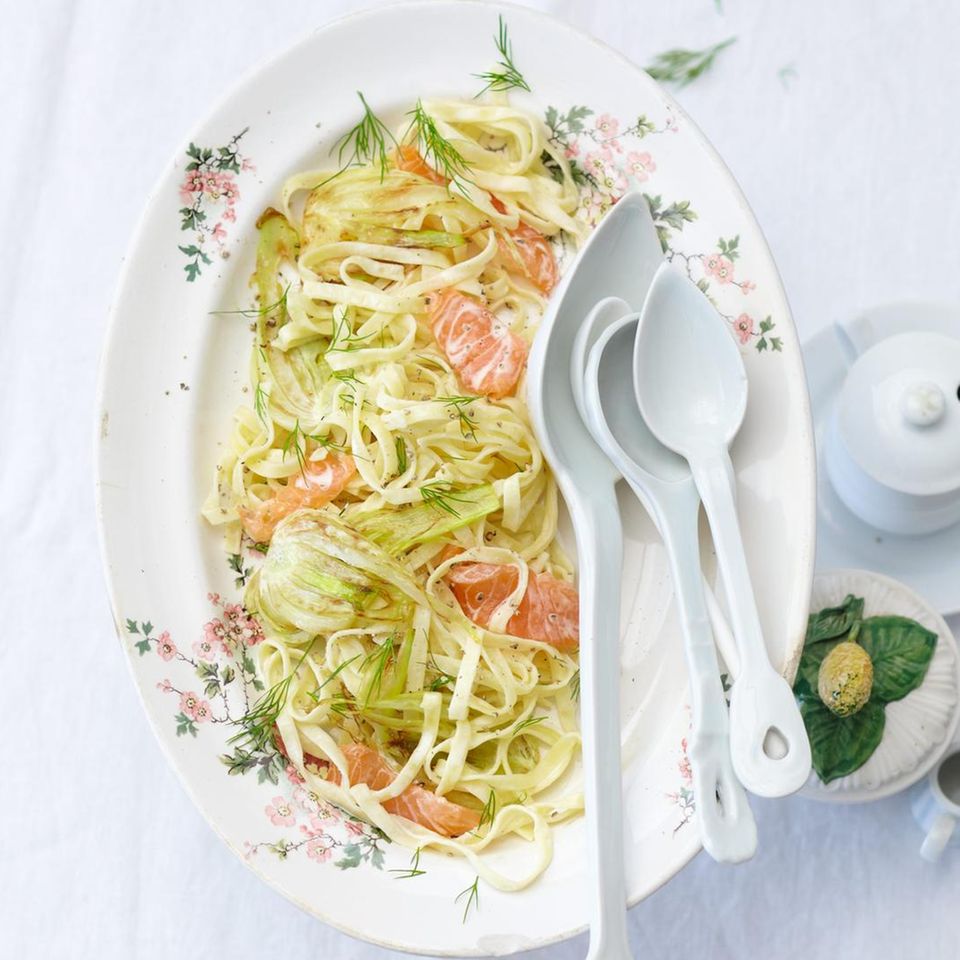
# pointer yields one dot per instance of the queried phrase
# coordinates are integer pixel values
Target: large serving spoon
(611, 262)
(691, 387)
(664, 485)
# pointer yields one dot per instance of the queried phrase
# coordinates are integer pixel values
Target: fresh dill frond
(342, 338)
(461, 406)
(346, 376)
(252, 313)
(435, 149)
(489, 811)
(260, 398)
(259, 721)
(472, 893)
(442, 679)
(442, 496)
(401, 449)
(296, 440)
(506, 76)
(366, 143)
(333, 676)
(529, 722)
(574, 685)
(682, 67)
(377, 661)
(414, 870)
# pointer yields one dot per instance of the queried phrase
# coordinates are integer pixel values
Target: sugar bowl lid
(899, 413)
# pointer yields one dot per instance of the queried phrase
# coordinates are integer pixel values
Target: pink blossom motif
(572, 150)
(597, 162)
(684, 765)
(193, 707)
(293, 775)
(746, 286)
(215, 634)
(246, 165)
(640, 165)
(230, 214)
(607, 126)
(166, 647)
(355, 827)
(319, 849)
(719, 267)
(193, 183)
(165, 685)
(316, 827)
(219, 232)
(744, 327)
(242, 627)
(214, 598)
(280, 813)
(221, 186)
(205, 650)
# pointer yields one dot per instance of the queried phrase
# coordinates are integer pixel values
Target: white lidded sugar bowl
(892, 448)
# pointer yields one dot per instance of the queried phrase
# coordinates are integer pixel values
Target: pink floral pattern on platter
(607, 159)
(209, 194)
(682, 797)
(219, 685)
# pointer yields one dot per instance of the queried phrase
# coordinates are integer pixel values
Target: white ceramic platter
(925, 563)
(173, 373)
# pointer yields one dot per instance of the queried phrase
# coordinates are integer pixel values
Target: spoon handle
(769, 745)
(600, 559)
(727, 827)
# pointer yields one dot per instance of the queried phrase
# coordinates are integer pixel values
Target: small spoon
(663, 483)
(691, 387)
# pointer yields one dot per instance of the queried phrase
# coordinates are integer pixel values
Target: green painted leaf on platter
(841, 745)
(901, 650)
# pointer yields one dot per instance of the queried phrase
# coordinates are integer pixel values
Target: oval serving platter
(174, 370)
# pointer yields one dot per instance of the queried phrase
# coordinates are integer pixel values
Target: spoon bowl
(690, 380)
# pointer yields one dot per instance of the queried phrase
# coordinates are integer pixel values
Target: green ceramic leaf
(901, 650)
(805, 685)
(841, 745)
(834, 622)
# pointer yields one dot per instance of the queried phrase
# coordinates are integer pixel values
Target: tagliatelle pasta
(369, 472)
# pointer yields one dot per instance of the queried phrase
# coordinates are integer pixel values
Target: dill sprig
(442, 496)
(414, 870)
(489, 811)
(472, 893)
(682, 67)
(442, 678)
(346, 376)
(253, 312)
(259, 721)
(378, 660)
(435, 149)
(333, 676)
(260, 398)
(506, 76)
(529, 722)
(297, 442)
(401, 449)
(342, 338)
(367, 143)
(574, 685)
(461, 406)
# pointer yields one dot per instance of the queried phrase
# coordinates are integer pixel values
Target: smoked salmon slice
(528, 252)
(416, 803)
(408, 158)
(487, 356)
(549, 610)
(317, 484)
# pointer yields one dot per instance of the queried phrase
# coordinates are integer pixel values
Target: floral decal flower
(606, 160)
(683, 795)
(217, 685)
(209, 194)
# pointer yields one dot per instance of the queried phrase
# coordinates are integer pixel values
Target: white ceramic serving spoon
(664, 485)
(611, 262)
(691, 387)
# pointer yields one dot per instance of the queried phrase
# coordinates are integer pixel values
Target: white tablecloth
(850, 159)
